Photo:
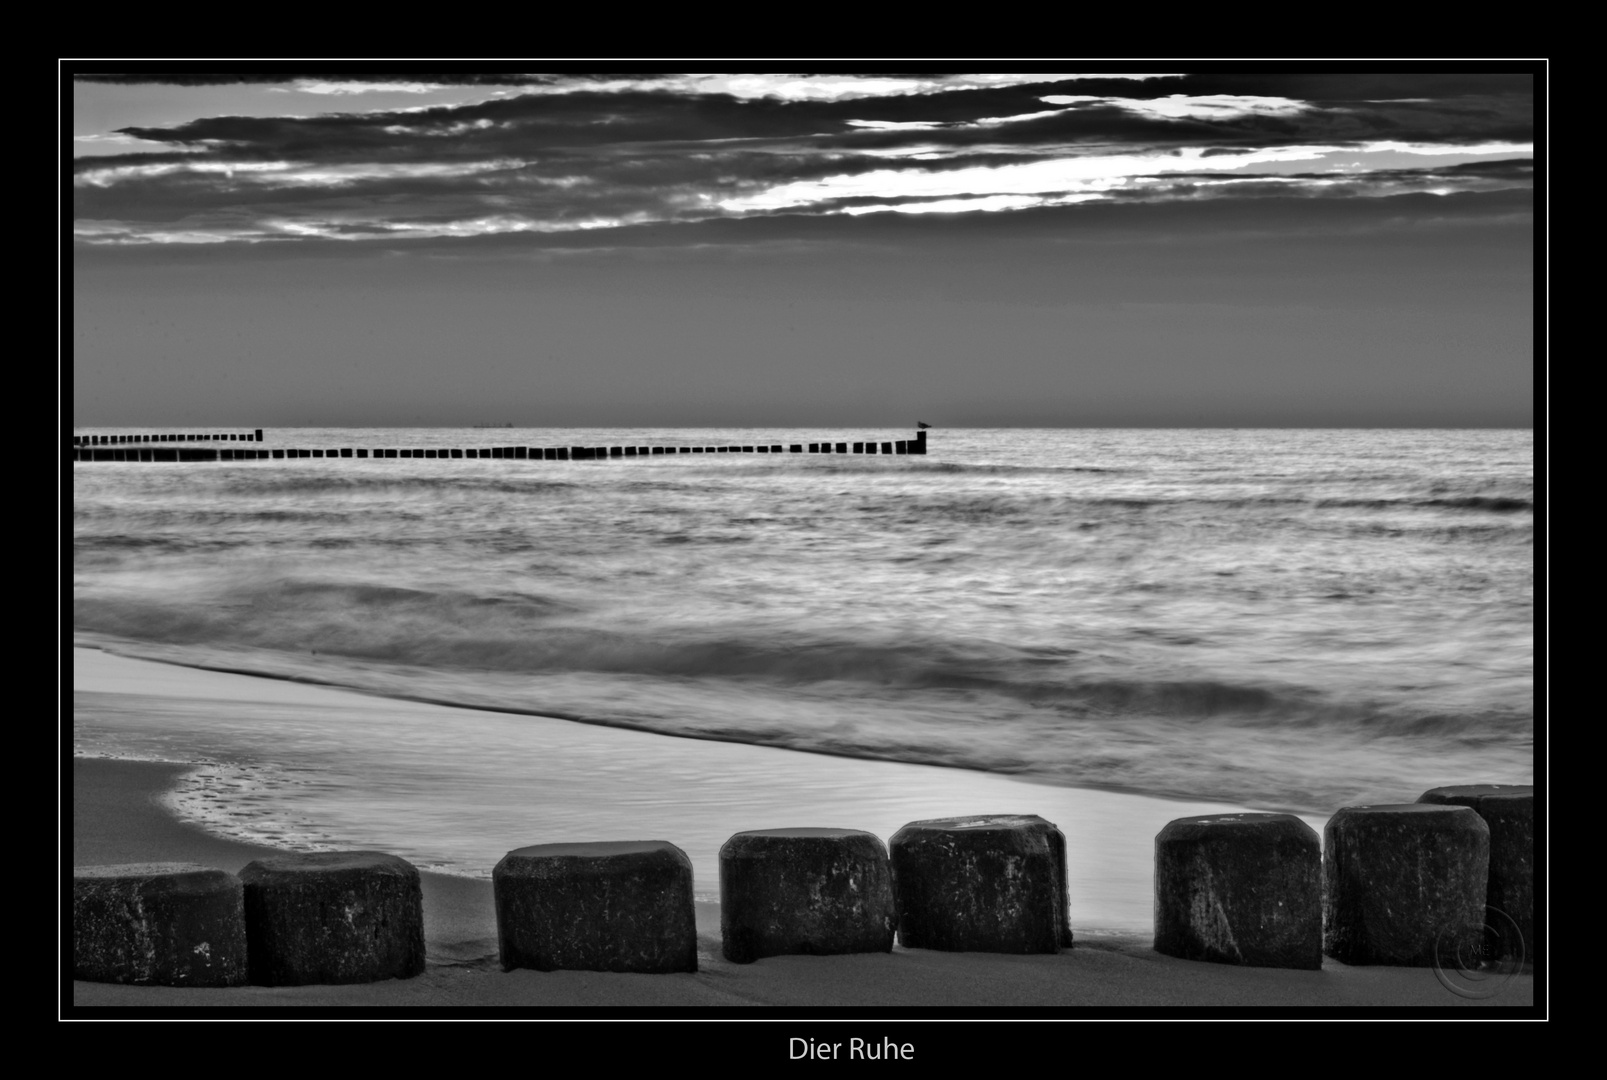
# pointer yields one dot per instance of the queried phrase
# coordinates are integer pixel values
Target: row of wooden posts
(125, 440)
(150, 450)
(1405, 884)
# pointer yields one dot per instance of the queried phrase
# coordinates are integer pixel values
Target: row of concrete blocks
(531, 453)
(1404, 884)
(994, 884)
(120, 440)
(1447, 880)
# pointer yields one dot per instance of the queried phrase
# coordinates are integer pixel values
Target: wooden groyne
(130, 440)
(157, 448)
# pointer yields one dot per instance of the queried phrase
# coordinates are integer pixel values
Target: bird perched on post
(921, 425)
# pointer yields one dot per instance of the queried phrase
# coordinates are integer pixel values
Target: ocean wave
(960, 469)
(311, 483)
(1041, 508)
(1498, 504)
(443, 637)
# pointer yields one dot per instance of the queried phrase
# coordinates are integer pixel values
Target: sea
(1293, 620)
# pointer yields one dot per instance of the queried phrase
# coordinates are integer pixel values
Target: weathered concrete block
(1240, 889)
(158, 924)
(989, 883)
(609, 906)
(1508, 809)
(813, 891)
(1404, 883)
(333, 917)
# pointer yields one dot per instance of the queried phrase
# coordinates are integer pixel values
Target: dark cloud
(1337, 87)
(126, 161)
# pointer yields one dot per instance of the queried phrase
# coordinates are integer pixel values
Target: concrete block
(1404, 883)
(158, 924)
(333, 917)
(1240, 889)
(605, 906)
(989, 883)
(813, 891)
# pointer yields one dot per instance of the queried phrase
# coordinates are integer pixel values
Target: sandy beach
(118, 816)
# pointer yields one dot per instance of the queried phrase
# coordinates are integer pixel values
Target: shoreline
(118, 816)
(89, 643)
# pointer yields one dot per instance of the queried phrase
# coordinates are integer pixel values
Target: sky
(1120, 246)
